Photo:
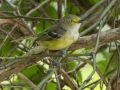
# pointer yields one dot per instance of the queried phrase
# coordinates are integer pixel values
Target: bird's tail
(35, 50)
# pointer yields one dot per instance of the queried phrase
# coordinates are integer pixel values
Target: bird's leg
(63, 52)
(56, 61)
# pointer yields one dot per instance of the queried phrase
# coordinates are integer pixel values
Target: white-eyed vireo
(61, 35)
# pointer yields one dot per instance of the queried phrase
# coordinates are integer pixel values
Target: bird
(61, 35)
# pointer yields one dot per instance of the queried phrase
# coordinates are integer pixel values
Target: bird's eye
(71, 20)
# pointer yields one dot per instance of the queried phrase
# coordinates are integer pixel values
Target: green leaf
(51, 86)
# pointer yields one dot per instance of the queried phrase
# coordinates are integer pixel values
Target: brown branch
(105, 37)
(59, 4)
(68, 80)
(26, 80)
(13, 21)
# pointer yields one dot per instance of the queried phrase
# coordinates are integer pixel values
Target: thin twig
(46, 78)
(28, 17)
(92, 9)
(16, 8)
(41, 10)
(89, 77)
(68, 80)
(37, 7)
(100, 18)
(3, 42)
(13, 38)
(32, 85)
(57, 80)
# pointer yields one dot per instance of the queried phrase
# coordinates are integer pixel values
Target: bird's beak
(81, 21)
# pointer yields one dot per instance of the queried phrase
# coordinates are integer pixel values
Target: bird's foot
(63, 52)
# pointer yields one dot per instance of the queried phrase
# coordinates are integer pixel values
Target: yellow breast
(62, 42)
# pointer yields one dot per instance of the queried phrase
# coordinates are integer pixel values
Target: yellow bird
(60, 35)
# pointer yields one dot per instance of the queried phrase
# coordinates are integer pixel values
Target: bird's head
(70, 21)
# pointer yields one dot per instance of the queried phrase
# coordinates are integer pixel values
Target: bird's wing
(51, 33)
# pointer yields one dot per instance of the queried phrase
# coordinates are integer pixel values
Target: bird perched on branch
(61, 35)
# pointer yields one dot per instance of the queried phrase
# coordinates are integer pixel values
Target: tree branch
(105, 37)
